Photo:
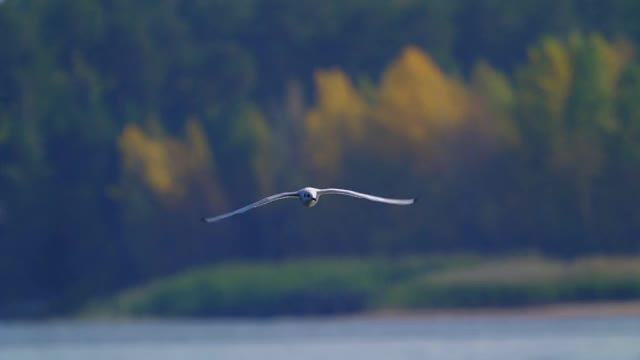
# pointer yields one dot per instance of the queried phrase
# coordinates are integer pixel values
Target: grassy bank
(333, 286)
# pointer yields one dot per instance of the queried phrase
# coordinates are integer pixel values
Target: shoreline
(559, 310)
(629, 308)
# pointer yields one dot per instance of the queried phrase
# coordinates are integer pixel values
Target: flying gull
(309, 197)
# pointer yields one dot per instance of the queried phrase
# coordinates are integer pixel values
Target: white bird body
(309, 197)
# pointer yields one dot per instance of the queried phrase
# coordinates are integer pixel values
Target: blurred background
(122, 123)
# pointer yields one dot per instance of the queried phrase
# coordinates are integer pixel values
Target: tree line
(122, 123)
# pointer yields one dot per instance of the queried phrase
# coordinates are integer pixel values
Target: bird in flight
(309, 197)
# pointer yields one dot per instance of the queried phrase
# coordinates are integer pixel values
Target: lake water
(495, 338)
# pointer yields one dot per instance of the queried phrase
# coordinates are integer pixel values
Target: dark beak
(314, 199)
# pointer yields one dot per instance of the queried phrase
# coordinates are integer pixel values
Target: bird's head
(308, 195)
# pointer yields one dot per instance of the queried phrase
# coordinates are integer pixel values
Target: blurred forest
(124, 122)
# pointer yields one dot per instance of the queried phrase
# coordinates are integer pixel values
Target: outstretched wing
(251, 206)
(366, 196)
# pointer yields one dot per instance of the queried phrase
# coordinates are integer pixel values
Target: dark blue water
(495, 338)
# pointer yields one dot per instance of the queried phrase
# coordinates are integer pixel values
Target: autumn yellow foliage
(417, 100)
(564, 94)
(338, 117)
(414, 105)
(169, 166)
(148, 159)
(567, 93)
(494, 103)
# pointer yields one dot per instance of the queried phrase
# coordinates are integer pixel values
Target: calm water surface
(495, 338)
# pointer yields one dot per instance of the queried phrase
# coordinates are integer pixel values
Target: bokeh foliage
(122, 123)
